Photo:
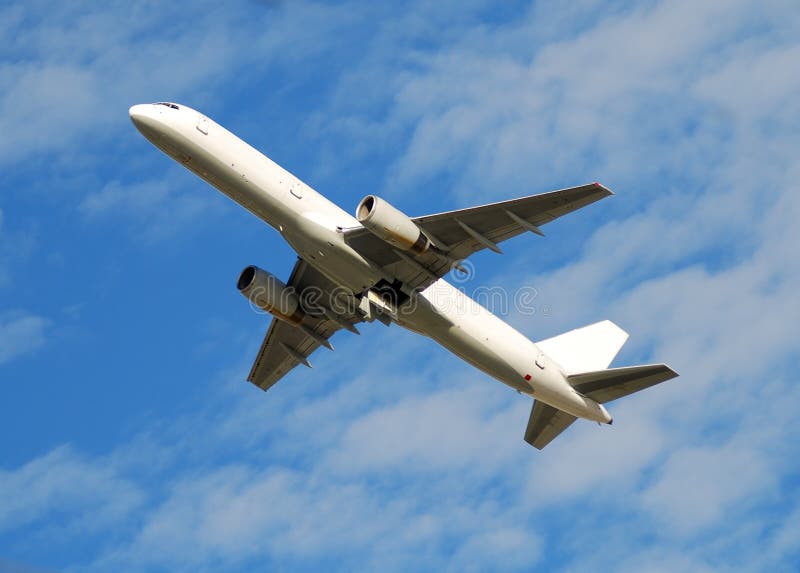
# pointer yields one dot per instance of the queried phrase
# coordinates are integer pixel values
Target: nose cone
(147, 120)
(139, 113)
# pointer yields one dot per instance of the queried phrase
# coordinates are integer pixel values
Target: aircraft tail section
(585, 354)
(586, 349)
(602, 386)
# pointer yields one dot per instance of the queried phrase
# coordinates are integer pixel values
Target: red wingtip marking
(527, 377)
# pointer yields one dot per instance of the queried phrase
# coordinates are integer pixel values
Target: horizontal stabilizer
(607, 385)
(545, 424)
(585, 349)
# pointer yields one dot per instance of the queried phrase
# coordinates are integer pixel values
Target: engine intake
(391, 225)
(269, 293)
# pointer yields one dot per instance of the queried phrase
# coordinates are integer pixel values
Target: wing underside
(463, 232)
(285, 345)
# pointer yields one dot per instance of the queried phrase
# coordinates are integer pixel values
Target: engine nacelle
(391, 225)
(269, 293)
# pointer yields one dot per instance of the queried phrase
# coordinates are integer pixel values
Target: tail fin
(585, 349)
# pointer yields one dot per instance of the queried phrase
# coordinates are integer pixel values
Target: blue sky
(131, 440)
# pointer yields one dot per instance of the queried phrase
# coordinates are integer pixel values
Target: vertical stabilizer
(585, 349)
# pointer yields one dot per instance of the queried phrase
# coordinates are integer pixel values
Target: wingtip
(608, 191)
(675, 374)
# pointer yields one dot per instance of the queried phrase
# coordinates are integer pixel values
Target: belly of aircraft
(324, 250)
(423, 317)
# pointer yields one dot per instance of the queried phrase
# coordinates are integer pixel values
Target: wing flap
(545, 424)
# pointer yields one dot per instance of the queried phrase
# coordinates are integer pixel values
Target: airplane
(384, 265)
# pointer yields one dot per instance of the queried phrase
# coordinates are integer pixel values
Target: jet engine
(269, 293)
(391, 225)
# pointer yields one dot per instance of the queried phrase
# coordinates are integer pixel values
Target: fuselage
(313, 226)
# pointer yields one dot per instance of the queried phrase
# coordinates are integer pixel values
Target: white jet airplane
(382, 264)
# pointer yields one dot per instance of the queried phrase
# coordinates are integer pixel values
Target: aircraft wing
(545, 424)
(285, 345)
(463, 232)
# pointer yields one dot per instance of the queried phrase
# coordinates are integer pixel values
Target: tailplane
(602, 386)
(607, 385)
(586, 349)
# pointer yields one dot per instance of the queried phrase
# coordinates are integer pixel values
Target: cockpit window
(168, 104)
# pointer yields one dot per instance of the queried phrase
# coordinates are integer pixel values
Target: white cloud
(594, 462)
(444, 430)
(20, 334)
(15, 245)
(63, 489)
(697, 486)
(75, 71)
(16, 567)
(499, 549)
(237, 513)
(3, 272)
(786, 540)
(159, 207)
(72, 72)
(533, 112)
(663, 561)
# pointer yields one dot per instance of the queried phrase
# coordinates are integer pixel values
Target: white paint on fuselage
(471, 332)
(308, 221)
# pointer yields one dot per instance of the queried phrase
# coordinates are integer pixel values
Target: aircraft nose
(138, 113)
(147, 120)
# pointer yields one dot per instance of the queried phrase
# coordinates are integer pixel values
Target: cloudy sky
(131, 440)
